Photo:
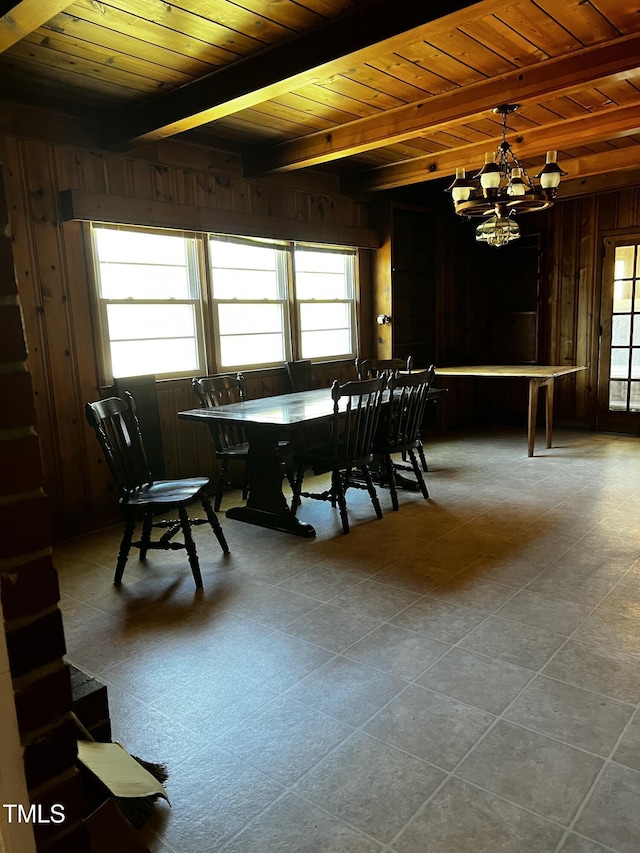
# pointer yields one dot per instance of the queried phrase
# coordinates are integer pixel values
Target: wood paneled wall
(51, 269)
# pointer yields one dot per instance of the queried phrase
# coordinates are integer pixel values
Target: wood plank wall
(54, 292)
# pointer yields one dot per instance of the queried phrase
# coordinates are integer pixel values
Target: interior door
(619, 369)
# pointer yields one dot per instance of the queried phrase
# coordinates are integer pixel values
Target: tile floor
(462, 676)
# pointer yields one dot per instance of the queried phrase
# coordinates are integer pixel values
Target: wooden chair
(230, 440)
(368, 368)
(400, 425)
(347, 445)
(141, 498)
(300, 375)
(372, 368)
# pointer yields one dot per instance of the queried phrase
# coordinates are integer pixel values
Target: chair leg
(372, 490)
(190, 545)
(423, 458)
(147, 526)
(338, 493)
(222, 479)
(215, 524)
(418, 473)
(125, 546)
(391, 477)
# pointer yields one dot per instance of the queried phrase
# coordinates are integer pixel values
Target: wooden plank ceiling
(386, 94)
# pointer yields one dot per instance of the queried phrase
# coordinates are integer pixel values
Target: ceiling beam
(559, 76)
(568, 133)
(333, 48)
(23, 18)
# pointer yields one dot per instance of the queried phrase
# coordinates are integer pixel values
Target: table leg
(549, 410)
(267, 505)
(534, 385)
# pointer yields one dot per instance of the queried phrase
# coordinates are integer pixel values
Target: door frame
(607, 420)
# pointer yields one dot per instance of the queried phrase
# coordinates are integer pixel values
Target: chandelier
(503, 188)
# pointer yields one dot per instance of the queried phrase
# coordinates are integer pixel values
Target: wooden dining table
(539, 376)
(266, 421)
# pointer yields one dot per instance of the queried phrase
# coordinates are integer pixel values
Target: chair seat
(236, 451)
(171, 493)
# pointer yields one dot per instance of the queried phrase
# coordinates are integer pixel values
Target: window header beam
(121, 210)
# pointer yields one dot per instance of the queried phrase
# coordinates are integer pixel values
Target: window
(249, 287)
(325, 301)
(149, 298)
(263, 302)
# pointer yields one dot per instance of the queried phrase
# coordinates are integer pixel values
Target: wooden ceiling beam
(569, 133)
(25, 17)
(560, 76)
(333, 48)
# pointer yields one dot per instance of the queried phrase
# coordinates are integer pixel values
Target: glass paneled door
(619, 380)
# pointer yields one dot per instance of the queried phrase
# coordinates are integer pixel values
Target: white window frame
(350, 300)
(102, 303)
(284, 299)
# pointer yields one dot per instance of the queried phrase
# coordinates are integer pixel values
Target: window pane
(624, 261)
(245, 284)
(618, 396)
(239, 255)
(622, 295)
(620, 330)
(321, 344)
(246, 270)
(308, 260)
(139, 322)
(636, 330)
(635, 364)
(140, 247)
(238, 350)
(619, 363)
(137, 281)
(634, 401)
(239, 319)
(323, 316)
(136, 358)
(322, 286)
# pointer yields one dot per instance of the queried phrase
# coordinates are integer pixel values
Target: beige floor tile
(429, 725)
(438, 619)
(595, 667)
(332, 628)
(477, 680)
(405, 654)
(347, 690)
(609, 628)
(611, 815)
(578, 844)
(571, 714)
(467, 590)
(465, 819)
(371, 785)
(513, 642)
(293, 823)
(375, 600)
(284, 739)
(628, 751)
(532, 770)
(542, 611)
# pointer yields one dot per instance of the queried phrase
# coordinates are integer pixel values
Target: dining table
(266, 422)
(538, 375)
